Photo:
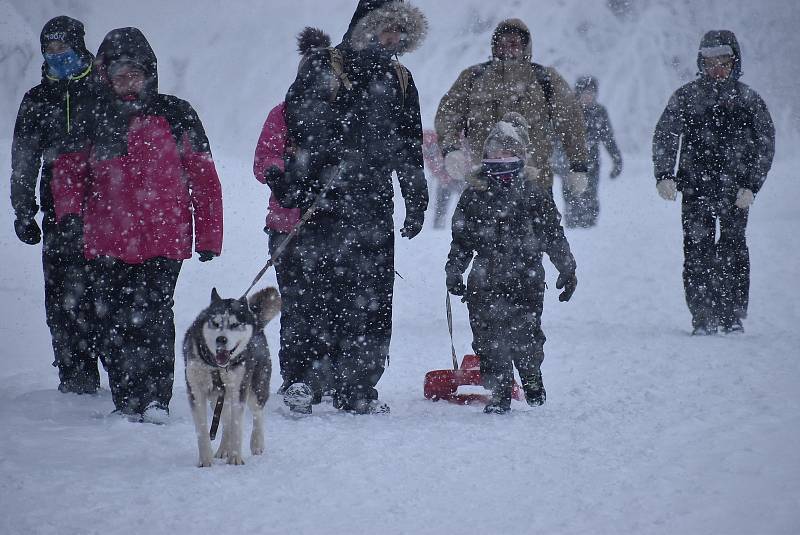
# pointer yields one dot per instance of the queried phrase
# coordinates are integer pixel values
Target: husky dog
(226, 354)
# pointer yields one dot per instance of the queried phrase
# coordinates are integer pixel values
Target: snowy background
(646, 429)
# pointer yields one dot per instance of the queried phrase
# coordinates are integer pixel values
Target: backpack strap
(403, 76)
(543, 78)
(339, 75)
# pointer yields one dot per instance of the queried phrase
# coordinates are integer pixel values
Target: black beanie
(65, 29)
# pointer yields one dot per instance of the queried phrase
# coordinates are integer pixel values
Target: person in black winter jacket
(582, 209)
(503, 223)
(353, 114)
(44, 129)
(719, 132)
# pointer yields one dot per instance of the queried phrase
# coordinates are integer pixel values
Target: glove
(577, 182)
(667, 189)
(457, 164)
(412, 225)
(744, 198)
(455, 284)
(27, 230)
(205, 256)
(616, 170)
(567, 281)
(272, 174)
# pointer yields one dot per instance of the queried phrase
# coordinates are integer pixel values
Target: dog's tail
(265, 304)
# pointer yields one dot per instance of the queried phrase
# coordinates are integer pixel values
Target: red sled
(443, 384)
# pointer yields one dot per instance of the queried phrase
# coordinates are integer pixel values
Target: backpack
(341, 78)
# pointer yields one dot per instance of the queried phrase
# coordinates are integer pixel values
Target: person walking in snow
(484, 93)
(720, 134)
(44, 126)
(268, 167)
(503, 222)
(353, 113)
(582, 209)
(146, 184)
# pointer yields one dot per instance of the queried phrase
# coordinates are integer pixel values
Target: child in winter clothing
(506, 221)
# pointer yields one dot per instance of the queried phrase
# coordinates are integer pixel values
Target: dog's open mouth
(224, 355)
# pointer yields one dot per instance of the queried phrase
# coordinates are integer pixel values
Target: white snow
(646, 429)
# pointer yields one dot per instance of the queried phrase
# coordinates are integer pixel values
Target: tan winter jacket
(484, 93)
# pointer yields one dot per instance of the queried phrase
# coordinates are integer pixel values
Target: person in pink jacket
(146, 186)
(268, 166)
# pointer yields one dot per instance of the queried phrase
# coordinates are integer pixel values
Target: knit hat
(510, 133)
(65, 29)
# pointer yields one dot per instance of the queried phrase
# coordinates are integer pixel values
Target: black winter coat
(367, 131)
(507, 229)
(599, 131)
(725, 134)
(46, 127)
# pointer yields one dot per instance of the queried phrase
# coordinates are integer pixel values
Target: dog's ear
(215, 296)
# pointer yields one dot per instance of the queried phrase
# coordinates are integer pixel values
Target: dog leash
(295, 230)
(217, 380)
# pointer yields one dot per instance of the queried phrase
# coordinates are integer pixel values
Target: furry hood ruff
(401, 14)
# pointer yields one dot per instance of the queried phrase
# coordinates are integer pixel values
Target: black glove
(205, 256)
(412, 225)
(616, 170)
(567, 281)
(272, 174)
(27, 230)
(455, 284)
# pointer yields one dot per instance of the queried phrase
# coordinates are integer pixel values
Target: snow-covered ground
(646, 429)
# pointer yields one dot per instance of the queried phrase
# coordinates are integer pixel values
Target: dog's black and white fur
(225, 350)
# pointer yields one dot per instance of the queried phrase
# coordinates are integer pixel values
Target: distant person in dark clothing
(503, 223)
(720, 134)
(45, 125)
(582, 209)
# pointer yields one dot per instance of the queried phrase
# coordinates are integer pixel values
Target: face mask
(502, 170)
(65, 64)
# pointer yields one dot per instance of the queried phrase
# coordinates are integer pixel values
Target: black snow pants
(507, 332)
(581, 210)
(67, 305)
(716, 272)
(137, 329)
(344, 306)
(301, 360)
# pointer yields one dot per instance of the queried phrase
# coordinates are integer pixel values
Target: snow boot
(365, 406)
(155, 413)
(501, 399)
(298, 397)
(533, 386)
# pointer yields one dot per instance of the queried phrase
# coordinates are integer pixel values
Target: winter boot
(704, 325)
(501, 400)
(732, 326)
(533, 386)
(298, 397)
(155, 413)
(367, 406)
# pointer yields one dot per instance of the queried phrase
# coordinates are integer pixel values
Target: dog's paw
(235, 459)
(257, 444)
(205, 463)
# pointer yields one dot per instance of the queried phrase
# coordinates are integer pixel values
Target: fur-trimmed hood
(377, 16)
(512, 25)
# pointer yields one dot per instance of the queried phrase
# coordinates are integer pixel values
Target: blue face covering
(502, 170)
(65, 64)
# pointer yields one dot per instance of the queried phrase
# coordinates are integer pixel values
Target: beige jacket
(484, 93)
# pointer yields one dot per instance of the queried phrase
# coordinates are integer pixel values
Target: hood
(512, 25)
(128, 44)
(719, 38)
(510, 133)
(65, 29)
(372, 16)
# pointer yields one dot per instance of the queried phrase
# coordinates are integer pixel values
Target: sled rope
(450, 328)
(295, 230)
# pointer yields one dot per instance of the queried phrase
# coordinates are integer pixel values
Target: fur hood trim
(398, 14)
